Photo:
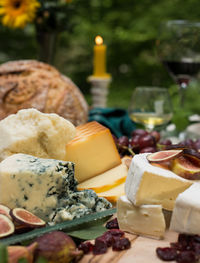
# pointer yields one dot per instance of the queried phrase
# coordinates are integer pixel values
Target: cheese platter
(70, 177)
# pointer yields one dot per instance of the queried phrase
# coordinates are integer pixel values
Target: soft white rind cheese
(146, 220)
(147, 184)
(35, 133)
(186, 214)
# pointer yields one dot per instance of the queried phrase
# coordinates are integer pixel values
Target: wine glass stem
(182, 89)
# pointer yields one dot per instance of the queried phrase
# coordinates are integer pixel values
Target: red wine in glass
(182, 72)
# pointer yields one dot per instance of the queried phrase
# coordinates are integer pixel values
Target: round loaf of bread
(32, 84)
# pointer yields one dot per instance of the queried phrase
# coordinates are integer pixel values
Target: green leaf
(64, 226)
(89, 231)
(3, 254)
(41, 260)
(22, 260)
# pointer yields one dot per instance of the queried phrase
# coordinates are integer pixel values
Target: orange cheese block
(113, 194)
(93, 151)
(106, 180)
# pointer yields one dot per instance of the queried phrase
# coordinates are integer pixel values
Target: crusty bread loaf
(32, 84)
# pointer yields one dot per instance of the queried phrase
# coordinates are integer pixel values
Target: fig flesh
(164, 156)
(4, 210)
(57, 247)
(183, 167)
(24, 217)
(6, 226)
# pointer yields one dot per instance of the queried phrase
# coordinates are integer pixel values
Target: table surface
(142, 251)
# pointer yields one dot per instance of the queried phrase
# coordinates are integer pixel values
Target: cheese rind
(107, 180)
(45, 187)
(146, 220)
(147, 184)
(186, 213)
(92, 150)
(35, 133)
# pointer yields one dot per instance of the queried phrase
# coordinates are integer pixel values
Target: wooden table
(142, 251)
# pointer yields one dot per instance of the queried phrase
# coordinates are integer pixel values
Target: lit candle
(99, 58)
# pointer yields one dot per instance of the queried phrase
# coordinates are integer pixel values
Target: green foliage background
(130, 29)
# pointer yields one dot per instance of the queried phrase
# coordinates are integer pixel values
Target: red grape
(134, 143)
(139, 132)
(156, 135)
(148, 150)
(123, 141)
(166, 142)
(146, 141)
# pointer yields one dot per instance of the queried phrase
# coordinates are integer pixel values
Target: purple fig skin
(164, 156)
(6, 226)
(192, 155)
(57, 247)
(18, 252)
(24, 217)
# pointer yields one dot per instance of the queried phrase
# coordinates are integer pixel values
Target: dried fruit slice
(183, 167)
(4, 210)
(25, 217)
(6, 226)
(192, 155)
(164, 156)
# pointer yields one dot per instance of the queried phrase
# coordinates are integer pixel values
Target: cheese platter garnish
(66, 226)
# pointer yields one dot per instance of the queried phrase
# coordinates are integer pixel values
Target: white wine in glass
(150, 106)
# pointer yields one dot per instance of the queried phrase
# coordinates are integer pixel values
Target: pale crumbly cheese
(186, 213)
(45, 187)
(146, 220)
(93, 151)
(35, 133)
(107, 180)
(147, 184)
(113, 194)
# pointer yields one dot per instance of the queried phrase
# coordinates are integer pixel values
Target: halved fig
(183, 167)
(192, 155)
(175, 147)
(24, 217)
(163, 156)
(19, 229)
(163, 165)
(4, 210)
(6, 226)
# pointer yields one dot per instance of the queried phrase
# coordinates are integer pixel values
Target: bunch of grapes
(142, 141)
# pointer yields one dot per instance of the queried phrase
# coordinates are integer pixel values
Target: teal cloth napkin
(117, 120)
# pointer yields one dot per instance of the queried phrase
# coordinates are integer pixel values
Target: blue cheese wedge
(45, 187)
(147, 184)
(186, 214)
(35, 133)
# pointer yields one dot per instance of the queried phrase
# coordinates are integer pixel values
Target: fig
(6, 226)
(24, 217)
(183, 167)
(4, 210)
(57, 247)
(192, 155)
(163, 165)
(163, 156)
(15, 253)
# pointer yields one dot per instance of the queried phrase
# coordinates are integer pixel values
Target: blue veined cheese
(45, 187)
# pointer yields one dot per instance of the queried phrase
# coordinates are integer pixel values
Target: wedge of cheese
(186, 214)
(147, 184)
(32, 132)
(113, 194)
(93, 151)
(145, 220)
(107, 180)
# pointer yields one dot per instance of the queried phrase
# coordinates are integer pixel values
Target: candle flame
(98, 40)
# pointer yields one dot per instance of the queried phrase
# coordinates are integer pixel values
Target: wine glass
(150, 106)
(178, 47)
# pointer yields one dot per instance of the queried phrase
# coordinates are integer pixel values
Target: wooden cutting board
(142, 251)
